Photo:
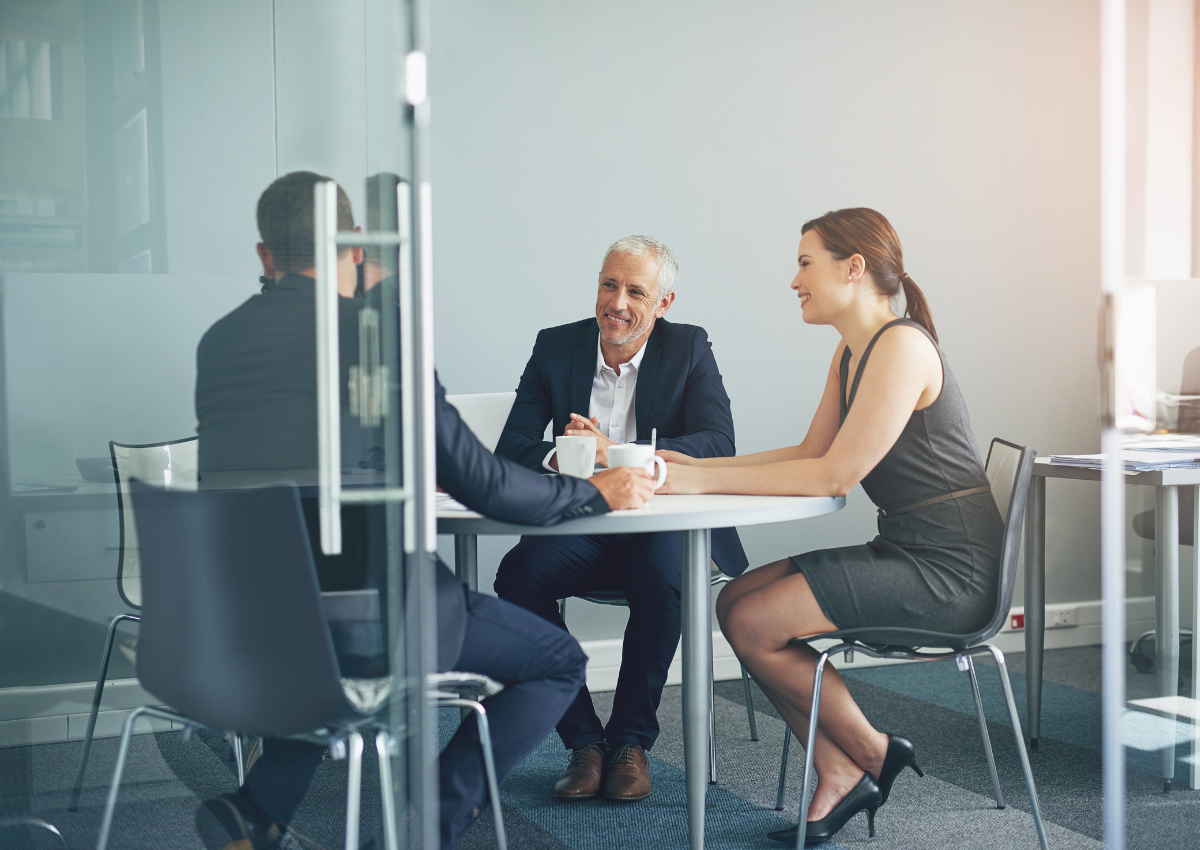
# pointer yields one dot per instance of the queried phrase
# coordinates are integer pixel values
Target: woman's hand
(675, 457)
(683, 480)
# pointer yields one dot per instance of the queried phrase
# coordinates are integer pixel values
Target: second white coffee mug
(576, 455)
(633, 454)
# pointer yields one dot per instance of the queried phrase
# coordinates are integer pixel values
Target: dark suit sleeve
(521, 441)
(499, 488)
(708, 419)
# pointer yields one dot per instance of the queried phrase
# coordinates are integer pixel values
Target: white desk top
(662, 513)
(1175, 477)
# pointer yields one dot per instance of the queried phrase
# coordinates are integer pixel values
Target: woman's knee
(736, 622)
(724, 599)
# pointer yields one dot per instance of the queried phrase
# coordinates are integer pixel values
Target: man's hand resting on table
(625, 487)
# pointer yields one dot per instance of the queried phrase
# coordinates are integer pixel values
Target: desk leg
(697, 688)
(1035, 602)
(1166, 607)
(466, 559)
(1194, 778)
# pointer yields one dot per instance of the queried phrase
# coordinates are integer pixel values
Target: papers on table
(1162, 442)
(1142, 460)
(446, 502)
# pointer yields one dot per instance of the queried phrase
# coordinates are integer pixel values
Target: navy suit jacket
(679, 392)
(256, 406)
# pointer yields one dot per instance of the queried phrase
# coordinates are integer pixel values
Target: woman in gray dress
(900, 428)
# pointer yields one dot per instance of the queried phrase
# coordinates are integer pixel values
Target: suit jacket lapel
(583, 369)
(647, 372)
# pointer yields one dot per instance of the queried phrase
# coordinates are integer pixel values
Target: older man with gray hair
(619, 376)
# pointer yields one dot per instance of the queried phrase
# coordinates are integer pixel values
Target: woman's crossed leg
(760, 612)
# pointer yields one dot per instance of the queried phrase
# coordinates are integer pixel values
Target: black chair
(1009, 468)
(233, 633)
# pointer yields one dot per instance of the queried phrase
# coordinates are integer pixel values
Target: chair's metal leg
(237, 754)
(354, 790)
(809, 747)
(123, 751)
(489, 764)
(749, 704)
(712, 719)
(783, 763)
(983, 733)
(34, 823)
(99, 692)
(383, 746)
(1020, 738)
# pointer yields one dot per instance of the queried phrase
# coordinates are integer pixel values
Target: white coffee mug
(576, 455)
(643, 457)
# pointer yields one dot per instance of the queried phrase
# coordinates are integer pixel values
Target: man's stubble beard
(635, 331)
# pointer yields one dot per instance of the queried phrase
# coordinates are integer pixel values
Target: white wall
(721, 128)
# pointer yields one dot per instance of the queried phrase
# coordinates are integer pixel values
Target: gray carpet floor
(951, 807)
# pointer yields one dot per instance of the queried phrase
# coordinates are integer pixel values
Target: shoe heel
(916, 768)
(871, 822)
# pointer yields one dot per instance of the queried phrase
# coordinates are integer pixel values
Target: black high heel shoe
(865, 796)
(900, 754)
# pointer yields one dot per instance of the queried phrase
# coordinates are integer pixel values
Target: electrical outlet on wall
(1061, 618)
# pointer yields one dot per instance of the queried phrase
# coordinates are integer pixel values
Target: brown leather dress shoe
(585, 767)
(628, 775)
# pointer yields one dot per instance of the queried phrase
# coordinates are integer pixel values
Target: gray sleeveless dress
(935, 567)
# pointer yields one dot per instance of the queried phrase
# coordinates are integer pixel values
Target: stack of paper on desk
(1135, 461)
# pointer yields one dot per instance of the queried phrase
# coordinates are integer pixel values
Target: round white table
(694, 517)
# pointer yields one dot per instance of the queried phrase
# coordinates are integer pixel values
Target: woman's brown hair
(863, 231)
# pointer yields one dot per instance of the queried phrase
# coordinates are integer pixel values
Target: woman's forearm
(803, 477)
(757, 459)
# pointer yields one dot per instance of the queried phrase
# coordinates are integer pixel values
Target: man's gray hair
(639, 246)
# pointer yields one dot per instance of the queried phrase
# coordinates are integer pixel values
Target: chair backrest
(173, 466)
(233, 634)
(1009, 468)
(485, 414)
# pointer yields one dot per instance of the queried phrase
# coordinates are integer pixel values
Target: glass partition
(136, 139)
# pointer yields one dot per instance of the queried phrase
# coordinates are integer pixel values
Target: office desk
(1166, 484)
(694, 516)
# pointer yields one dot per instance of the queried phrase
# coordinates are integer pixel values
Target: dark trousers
(539, 571)
(541, 668)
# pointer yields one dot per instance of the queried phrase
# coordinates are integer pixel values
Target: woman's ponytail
(915, 305)
(866, 232)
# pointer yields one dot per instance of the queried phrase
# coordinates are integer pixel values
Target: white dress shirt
(612, 399)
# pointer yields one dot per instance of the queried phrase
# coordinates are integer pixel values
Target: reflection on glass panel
(136, 138)
(128, 41)
(30, 80)
(133, 175)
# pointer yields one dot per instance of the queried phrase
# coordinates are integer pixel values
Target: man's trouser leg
(542, 668)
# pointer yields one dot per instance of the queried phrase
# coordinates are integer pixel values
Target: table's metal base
(1166, 645)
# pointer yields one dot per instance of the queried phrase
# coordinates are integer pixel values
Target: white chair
(485, 414)
(173, 465)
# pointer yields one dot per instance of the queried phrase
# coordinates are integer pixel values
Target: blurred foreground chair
(1009, 468)
(221, 658)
